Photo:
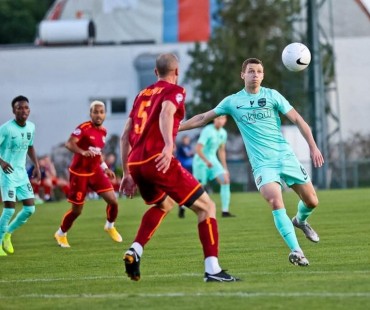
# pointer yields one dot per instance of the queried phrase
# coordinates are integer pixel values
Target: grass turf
(40, 275)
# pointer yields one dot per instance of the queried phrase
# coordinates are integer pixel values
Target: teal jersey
(14, 143)
(211, 139)
(257, 117)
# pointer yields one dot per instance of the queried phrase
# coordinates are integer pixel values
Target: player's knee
(312, 201)
(29, 210)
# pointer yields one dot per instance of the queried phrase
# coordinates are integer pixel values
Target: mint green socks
(4, 221)
(21, 218)
(303, 212)
(286, 229)
(225, 197)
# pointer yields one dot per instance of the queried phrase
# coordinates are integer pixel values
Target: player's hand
(128, 186)
(209, 164)
(88, 153)
(111, 175)
(7, 168)
(164, 160)
(36, 175)
(317, 158)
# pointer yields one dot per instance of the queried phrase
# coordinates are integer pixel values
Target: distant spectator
(185, 153)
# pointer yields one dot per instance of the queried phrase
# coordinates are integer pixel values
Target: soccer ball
(296, 57)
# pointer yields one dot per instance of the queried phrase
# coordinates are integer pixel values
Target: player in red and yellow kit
(88, 170)
(147, 144)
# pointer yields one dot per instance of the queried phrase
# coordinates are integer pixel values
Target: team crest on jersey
(11, 194)
(179, 97)
(77, 131)
(262, 102)
(28, 136)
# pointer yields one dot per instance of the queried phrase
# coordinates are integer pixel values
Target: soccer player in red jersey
(89, 170)
(147, 144)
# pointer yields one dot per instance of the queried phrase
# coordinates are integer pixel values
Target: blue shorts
(204, 174)
(23, 192)
(289, 170)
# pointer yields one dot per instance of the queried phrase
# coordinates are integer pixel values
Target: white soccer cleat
(307, 230)
(298, 259)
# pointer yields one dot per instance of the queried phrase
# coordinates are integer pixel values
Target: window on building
(114, 106)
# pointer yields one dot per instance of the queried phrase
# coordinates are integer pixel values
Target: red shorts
(98, 182)
(177, 183)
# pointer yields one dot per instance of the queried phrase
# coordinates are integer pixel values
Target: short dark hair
(19, 98)
(166, 63)
(251, 61)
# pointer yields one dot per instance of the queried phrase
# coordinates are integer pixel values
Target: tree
(248, 28)
(19, 19)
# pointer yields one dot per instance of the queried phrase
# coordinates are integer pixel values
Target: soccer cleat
(132, 264)
(7, 243)
(114, 234)
(181, 212)
(307, 230)
(222, 276)
(62, 240)
(298, 259)
(2, 252)
(227, 214)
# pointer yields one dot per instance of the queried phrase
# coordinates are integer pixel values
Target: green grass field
(90, 275)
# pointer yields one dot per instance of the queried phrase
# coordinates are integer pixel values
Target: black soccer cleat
(222, 276)
(132, 264)
(227, 214)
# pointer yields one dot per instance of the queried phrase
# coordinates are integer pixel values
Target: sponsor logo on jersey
(256, 115)
(262, 102)
(77, 131)
(179, 98)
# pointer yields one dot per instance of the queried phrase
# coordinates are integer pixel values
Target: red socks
(112, 212)
(208, 235)
(68, 220)
(149, 224)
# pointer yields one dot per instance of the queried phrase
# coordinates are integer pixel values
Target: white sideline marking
(179, 294)
(199, 275)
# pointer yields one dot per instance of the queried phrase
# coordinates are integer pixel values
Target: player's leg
(306, 206)
(77, 198)
(223, 178)
(273, 195)
(112, 213)
(7, 214)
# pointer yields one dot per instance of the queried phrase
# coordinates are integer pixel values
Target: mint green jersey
(14, 143)
(211, 139)
(257, 117)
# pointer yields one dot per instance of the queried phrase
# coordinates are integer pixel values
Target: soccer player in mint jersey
(209, 162)
(16, 142)
(88, 170)
(147, 145)
(255, 109)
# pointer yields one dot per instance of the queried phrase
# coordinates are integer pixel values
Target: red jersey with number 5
(145, 137)
(90, 138)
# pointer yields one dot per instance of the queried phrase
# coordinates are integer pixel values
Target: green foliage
(247, 29)
(19, 19)
(90, 275)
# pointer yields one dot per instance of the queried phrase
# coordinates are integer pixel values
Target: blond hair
(96, 103)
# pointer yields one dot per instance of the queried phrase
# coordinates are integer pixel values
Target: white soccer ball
(296, 57)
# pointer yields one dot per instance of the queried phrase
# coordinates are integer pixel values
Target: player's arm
(110, 173)
(7, 168)
(71, 145)
(166, 119)
(127, 186)
(36, 173)
(199, 150)
(198, 120)
(297, 119)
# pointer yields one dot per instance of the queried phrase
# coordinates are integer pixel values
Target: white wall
(60, 82)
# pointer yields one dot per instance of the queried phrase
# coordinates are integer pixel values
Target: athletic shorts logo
(304, 173)
(28, 136)
(262, 102)
(259, 180)
(11, 194)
